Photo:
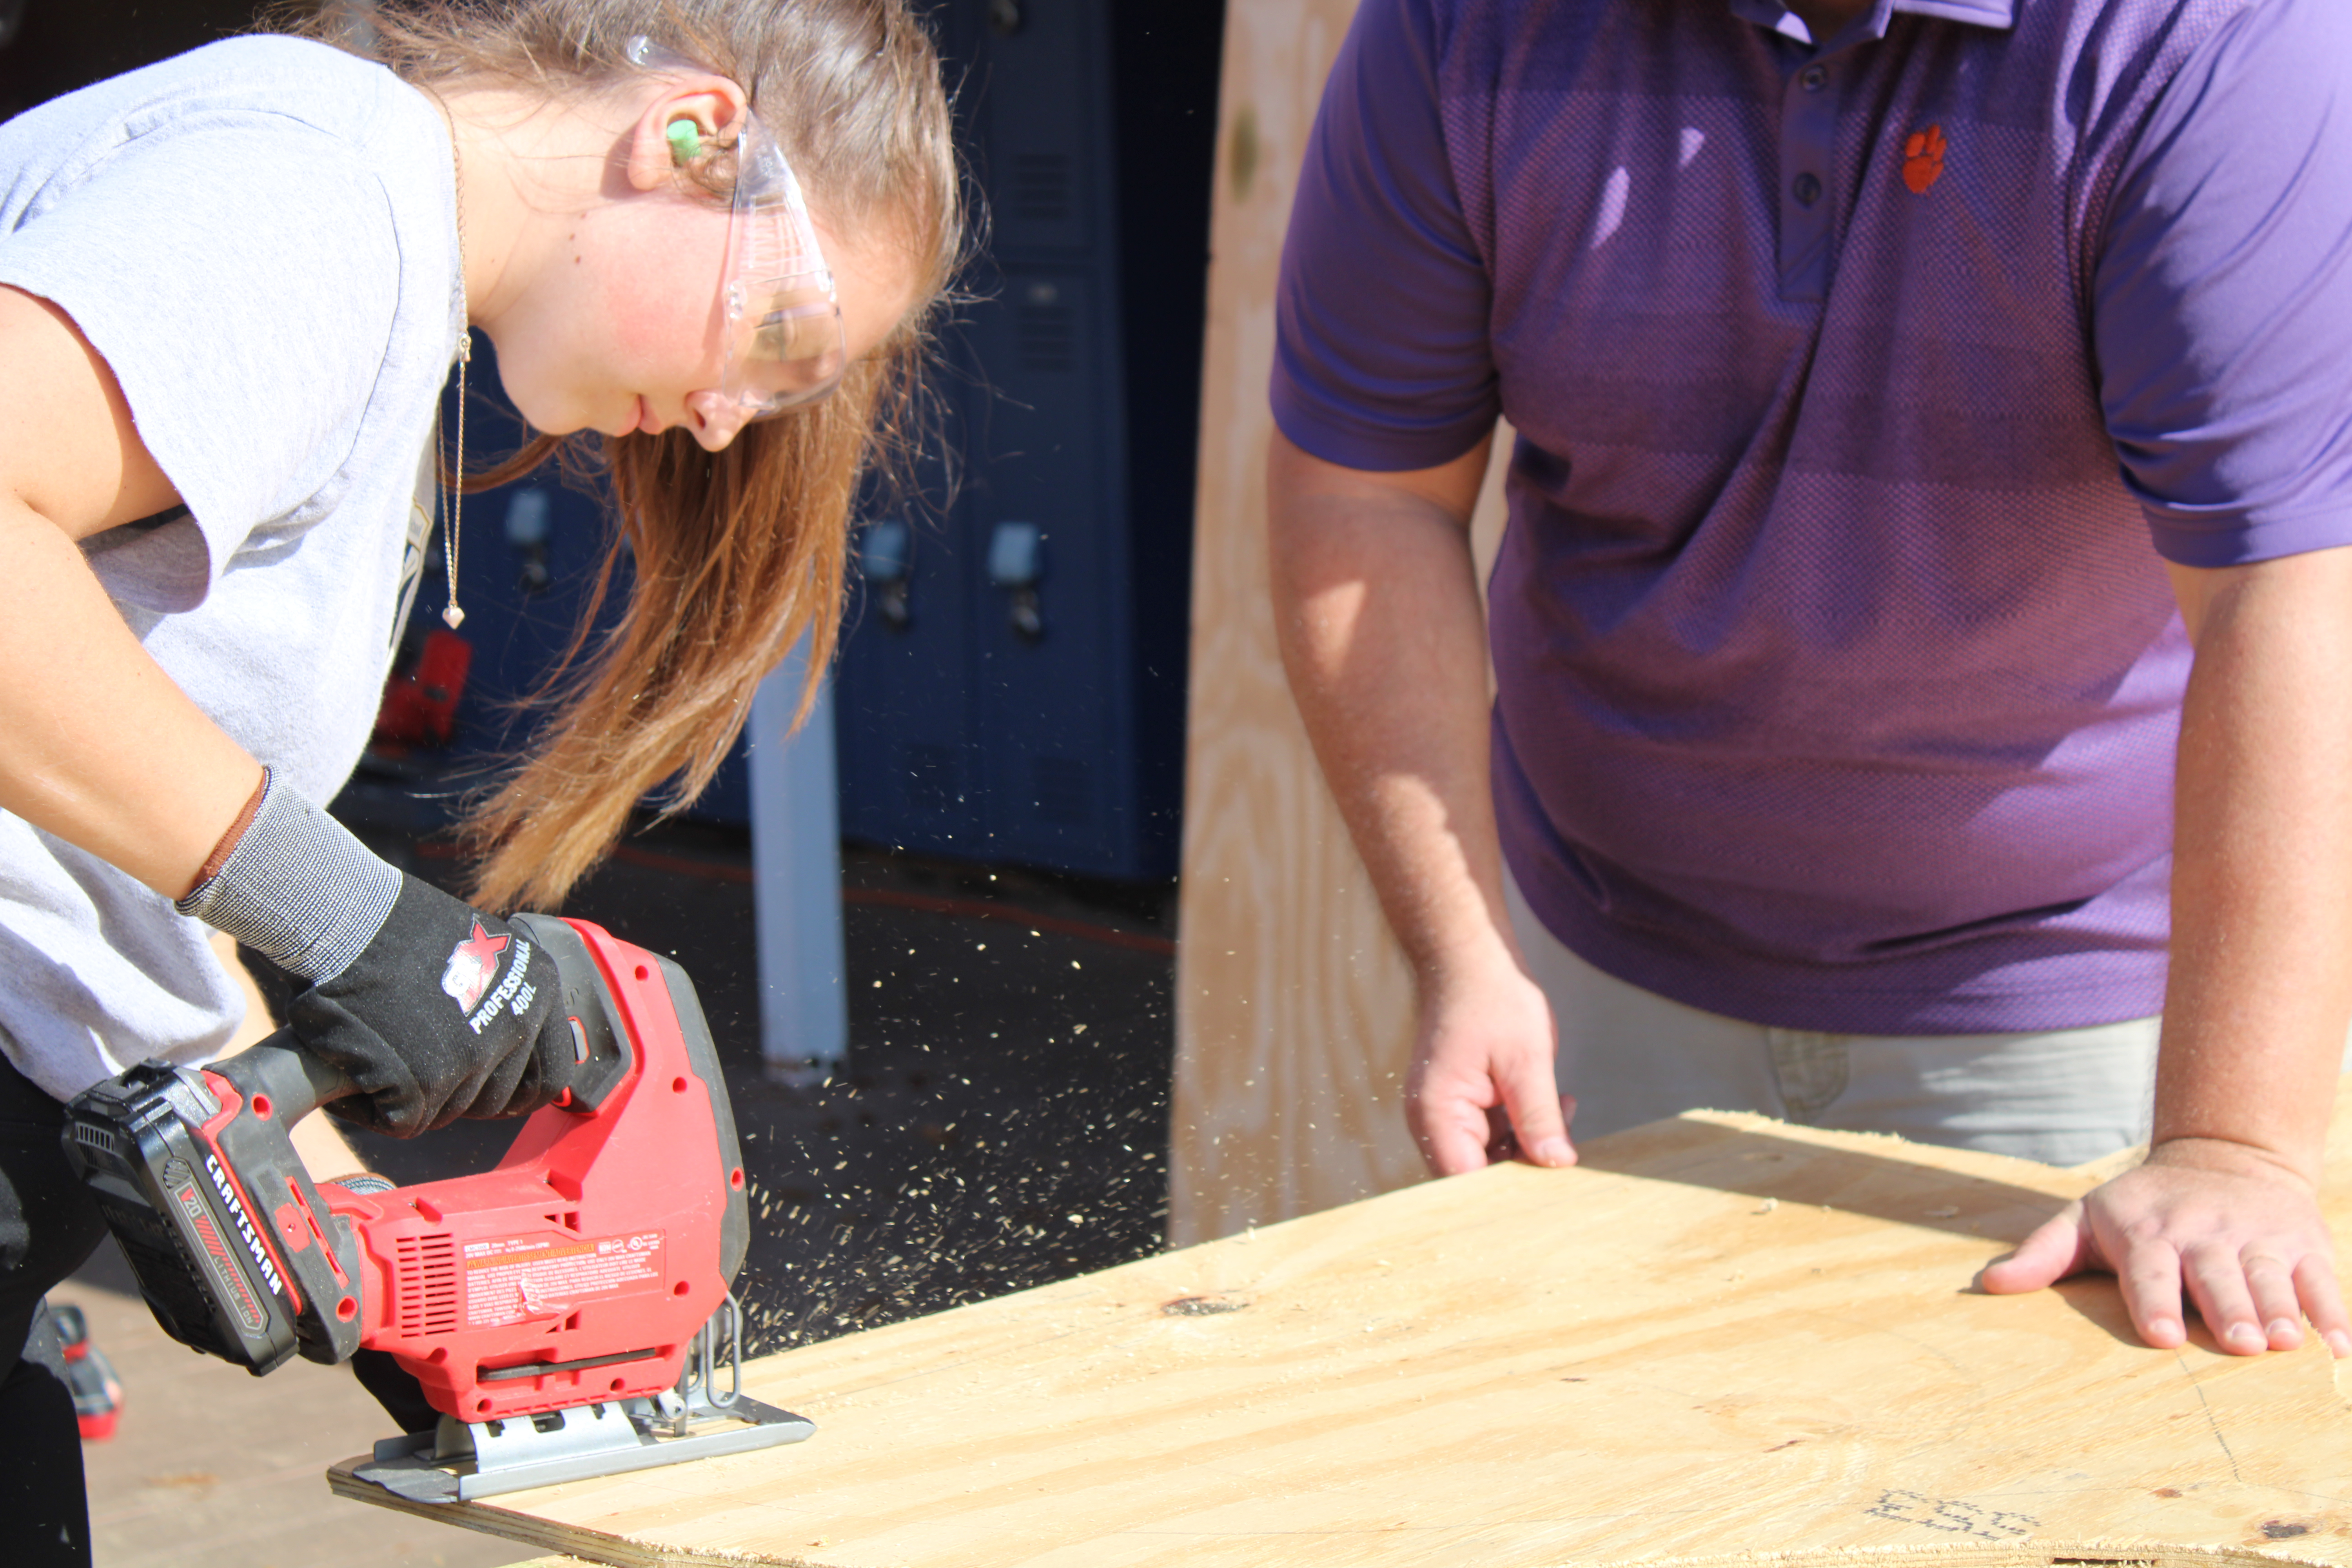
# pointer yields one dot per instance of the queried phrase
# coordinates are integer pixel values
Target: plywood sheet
(1722, 1337)
(1294, 1012)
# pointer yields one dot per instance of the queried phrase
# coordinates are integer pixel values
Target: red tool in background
(90, 1376)
(567, 1312)
(420, 705)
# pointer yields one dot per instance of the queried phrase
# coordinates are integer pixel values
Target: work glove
(434, 1008)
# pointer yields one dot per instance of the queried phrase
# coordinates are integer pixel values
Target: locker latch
(1016, 559)
(883, 550)
(527, 537)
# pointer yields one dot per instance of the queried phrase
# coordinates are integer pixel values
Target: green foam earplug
(685, 140)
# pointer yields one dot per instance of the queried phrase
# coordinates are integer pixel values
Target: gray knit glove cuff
(298, 889)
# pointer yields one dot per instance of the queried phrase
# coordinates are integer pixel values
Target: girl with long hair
(712, 232)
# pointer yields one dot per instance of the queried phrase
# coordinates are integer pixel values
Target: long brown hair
(733, 555)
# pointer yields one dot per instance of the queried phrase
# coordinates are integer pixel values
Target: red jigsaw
(566, 1312)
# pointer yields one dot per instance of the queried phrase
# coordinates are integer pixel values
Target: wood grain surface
(1294, 1010)
(1721, 1337)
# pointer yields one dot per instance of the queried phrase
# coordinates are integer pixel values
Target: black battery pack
(183, 1174)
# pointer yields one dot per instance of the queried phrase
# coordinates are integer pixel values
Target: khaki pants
(2060, 1096)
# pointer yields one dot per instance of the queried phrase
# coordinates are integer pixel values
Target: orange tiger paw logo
(1923, 159)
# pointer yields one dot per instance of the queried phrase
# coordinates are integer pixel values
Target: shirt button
(1814, 79)
(1806, 189)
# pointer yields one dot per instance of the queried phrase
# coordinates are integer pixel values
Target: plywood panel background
(1720, 1338)
(1294, 1007)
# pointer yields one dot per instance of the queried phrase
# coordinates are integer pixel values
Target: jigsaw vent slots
(424, 1283)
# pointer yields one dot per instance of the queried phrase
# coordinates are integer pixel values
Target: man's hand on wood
(1482, 1087)
(2219, 1227)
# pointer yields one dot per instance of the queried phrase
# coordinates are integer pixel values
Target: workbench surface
(1718, 1337)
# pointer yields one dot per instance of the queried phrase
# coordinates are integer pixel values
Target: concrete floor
(212, 1469)
(1002, 1123)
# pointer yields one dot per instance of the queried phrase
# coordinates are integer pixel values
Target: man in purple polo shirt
(1831, 768)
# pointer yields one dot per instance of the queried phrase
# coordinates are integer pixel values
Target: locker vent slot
(1048, 337)
(1064, 792)
(930, 774)
(424, 1284)
(1041, 187)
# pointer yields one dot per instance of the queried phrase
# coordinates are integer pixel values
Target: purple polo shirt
(1839, 683)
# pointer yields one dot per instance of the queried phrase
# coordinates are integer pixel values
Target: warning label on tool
(519, 1277)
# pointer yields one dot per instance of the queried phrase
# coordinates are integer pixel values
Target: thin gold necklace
(450, 613)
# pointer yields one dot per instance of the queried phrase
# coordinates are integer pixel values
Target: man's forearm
(2261, 987)
(1377, 600)
(2225, 1215)
(1377, 606)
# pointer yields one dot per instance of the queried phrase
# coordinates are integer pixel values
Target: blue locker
(1011, 687)
(1011, 681)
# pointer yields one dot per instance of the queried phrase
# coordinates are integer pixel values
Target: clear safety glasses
(782, 339)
